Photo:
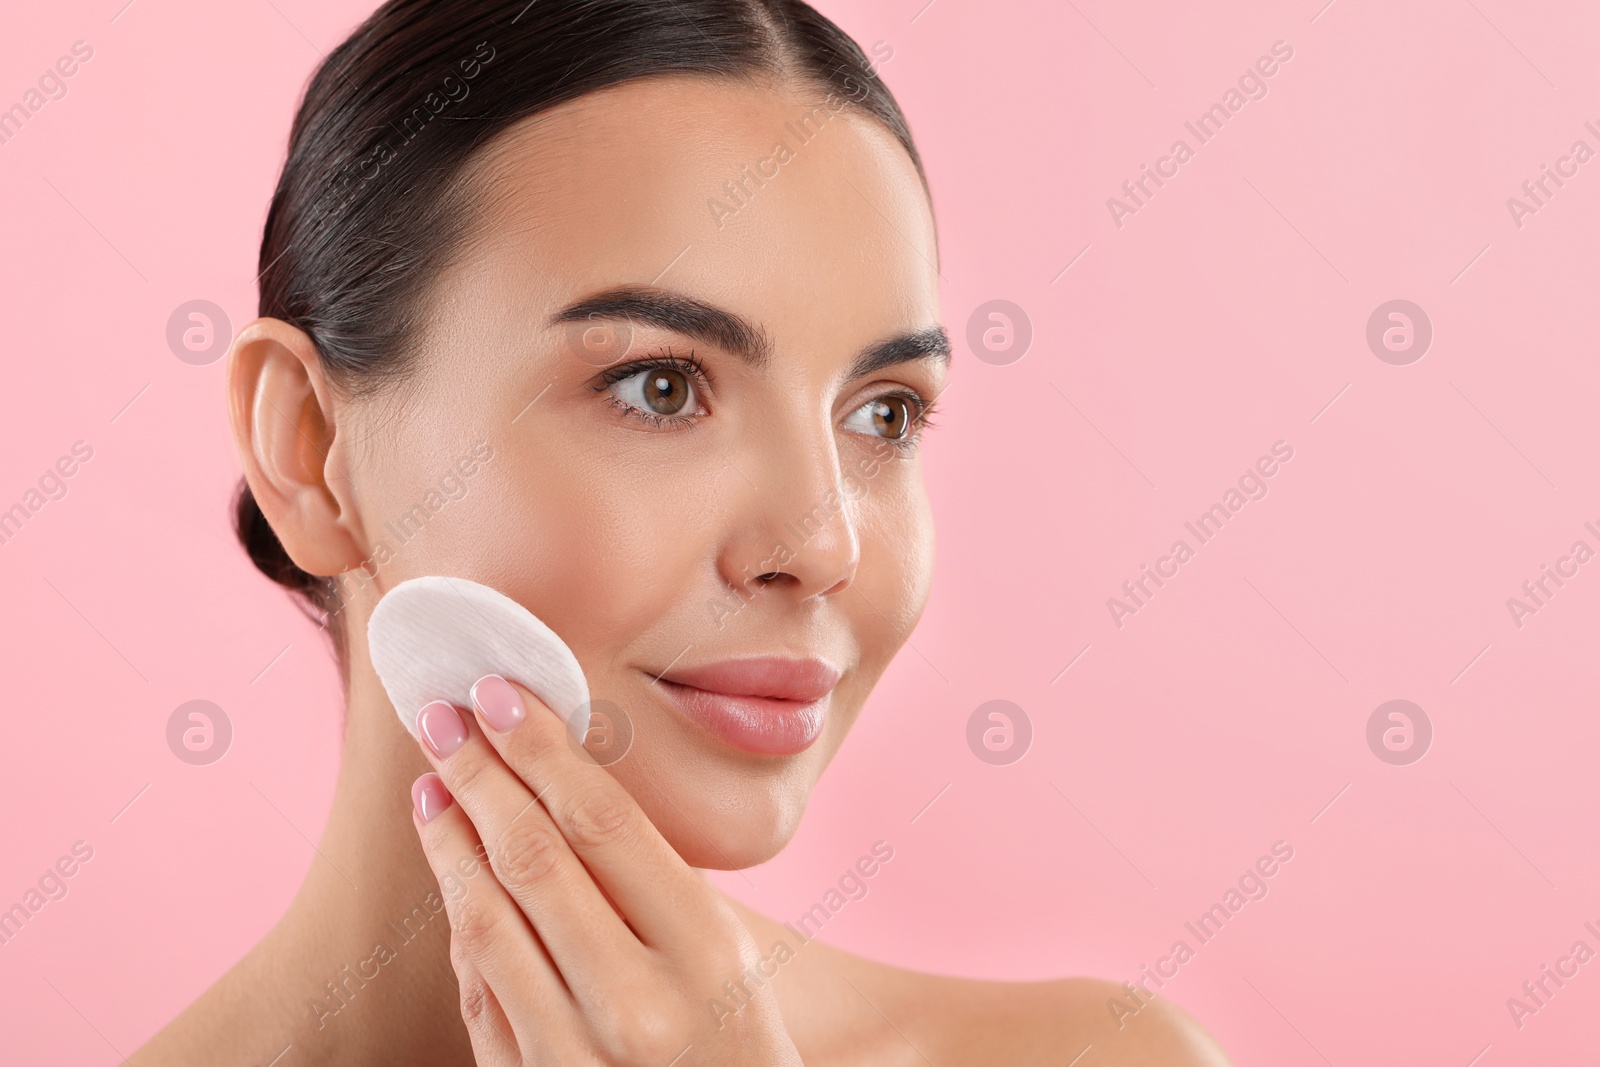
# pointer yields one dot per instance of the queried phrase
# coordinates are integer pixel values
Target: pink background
(1226, 715)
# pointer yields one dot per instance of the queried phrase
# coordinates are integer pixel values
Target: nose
(796, 525)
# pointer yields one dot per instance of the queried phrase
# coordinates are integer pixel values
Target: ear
(281, 406)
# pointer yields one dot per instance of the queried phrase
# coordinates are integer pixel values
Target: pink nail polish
(441, 727)
(430, 796)
(498, 702)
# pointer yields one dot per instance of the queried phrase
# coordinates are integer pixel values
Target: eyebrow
(735, 334)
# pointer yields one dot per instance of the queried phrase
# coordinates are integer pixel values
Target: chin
(733, 847)
(717, 817)
(696, 853)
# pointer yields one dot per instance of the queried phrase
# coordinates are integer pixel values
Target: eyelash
(693, 369)
(922, 422)
(689, 366)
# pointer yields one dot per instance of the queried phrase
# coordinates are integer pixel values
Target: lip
(768, 705)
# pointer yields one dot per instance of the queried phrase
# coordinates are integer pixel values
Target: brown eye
(665, 390)
(891, 417)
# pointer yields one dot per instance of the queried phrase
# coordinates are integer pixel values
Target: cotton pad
(432, 638)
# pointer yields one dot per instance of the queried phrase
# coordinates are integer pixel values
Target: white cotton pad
(432, 638)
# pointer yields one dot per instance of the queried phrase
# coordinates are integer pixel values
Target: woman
(628, 309)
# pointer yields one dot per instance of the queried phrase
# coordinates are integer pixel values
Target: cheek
(584, 546)
(896, 569)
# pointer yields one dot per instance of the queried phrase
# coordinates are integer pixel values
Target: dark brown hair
(371, 202)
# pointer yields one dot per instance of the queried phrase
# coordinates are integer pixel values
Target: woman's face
(690, 355)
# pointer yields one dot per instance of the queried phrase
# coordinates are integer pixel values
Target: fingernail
(498, 702)
(441, 727)
(430, 796)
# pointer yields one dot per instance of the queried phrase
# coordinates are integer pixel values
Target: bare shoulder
(844, 1009)
(1082, 1021)
(1104, 1019)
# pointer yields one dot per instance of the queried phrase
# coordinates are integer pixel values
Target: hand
(591, 941)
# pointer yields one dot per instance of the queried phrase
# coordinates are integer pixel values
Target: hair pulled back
(371, 201)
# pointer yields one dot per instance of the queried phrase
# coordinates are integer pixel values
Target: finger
(660, 896)
(586, 938)
(499, 961)
(494, 1043)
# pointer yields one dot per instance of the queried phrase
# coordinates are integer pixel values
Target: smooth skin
(640, 541)
(593, 942)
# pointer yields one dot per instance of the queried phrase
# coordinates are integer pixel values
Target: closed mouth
(767, 705)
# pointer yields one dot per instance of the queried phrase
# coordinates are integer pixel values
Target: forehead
(806, 216)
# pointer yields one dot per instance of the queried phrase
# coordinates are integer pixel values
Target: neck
(359, 964)
(361, 959)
